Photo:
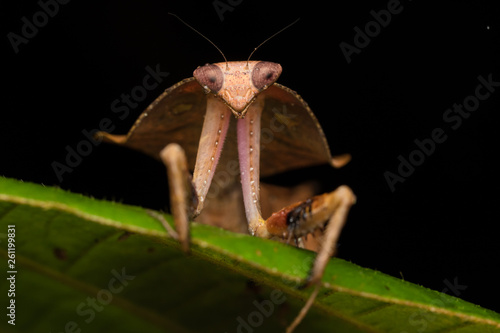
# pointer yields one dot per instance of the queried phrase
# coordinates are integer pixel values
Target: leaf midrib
(37, 203)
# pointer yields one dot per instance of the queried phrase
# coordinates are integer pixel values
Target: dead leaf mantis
(214, 123)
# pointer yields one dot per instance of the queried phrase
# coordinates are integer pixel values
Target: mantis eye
(210, 77)
(265, 73)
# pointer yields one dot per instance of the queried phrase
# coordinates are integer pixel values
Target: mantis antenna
(255, 49)
(199, 33)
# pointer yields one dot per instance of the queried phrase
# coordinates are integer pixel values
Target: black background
(440, 224)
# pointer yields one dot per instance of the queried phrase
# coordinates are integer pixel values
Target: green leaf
(97, 266)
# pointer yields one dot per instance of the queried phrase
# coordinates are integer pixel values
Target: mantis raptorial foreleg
(297, 220)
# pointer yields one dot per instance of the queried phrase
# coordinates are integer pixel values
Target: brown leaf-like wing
(291, 136)
(175, 116)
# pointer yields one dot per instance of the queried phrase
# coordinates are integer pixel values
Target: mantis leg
(305, 217)
(187, 194)
(182, 193)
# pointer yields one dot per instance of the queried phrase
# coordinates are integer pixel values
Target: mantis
(213, 125)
